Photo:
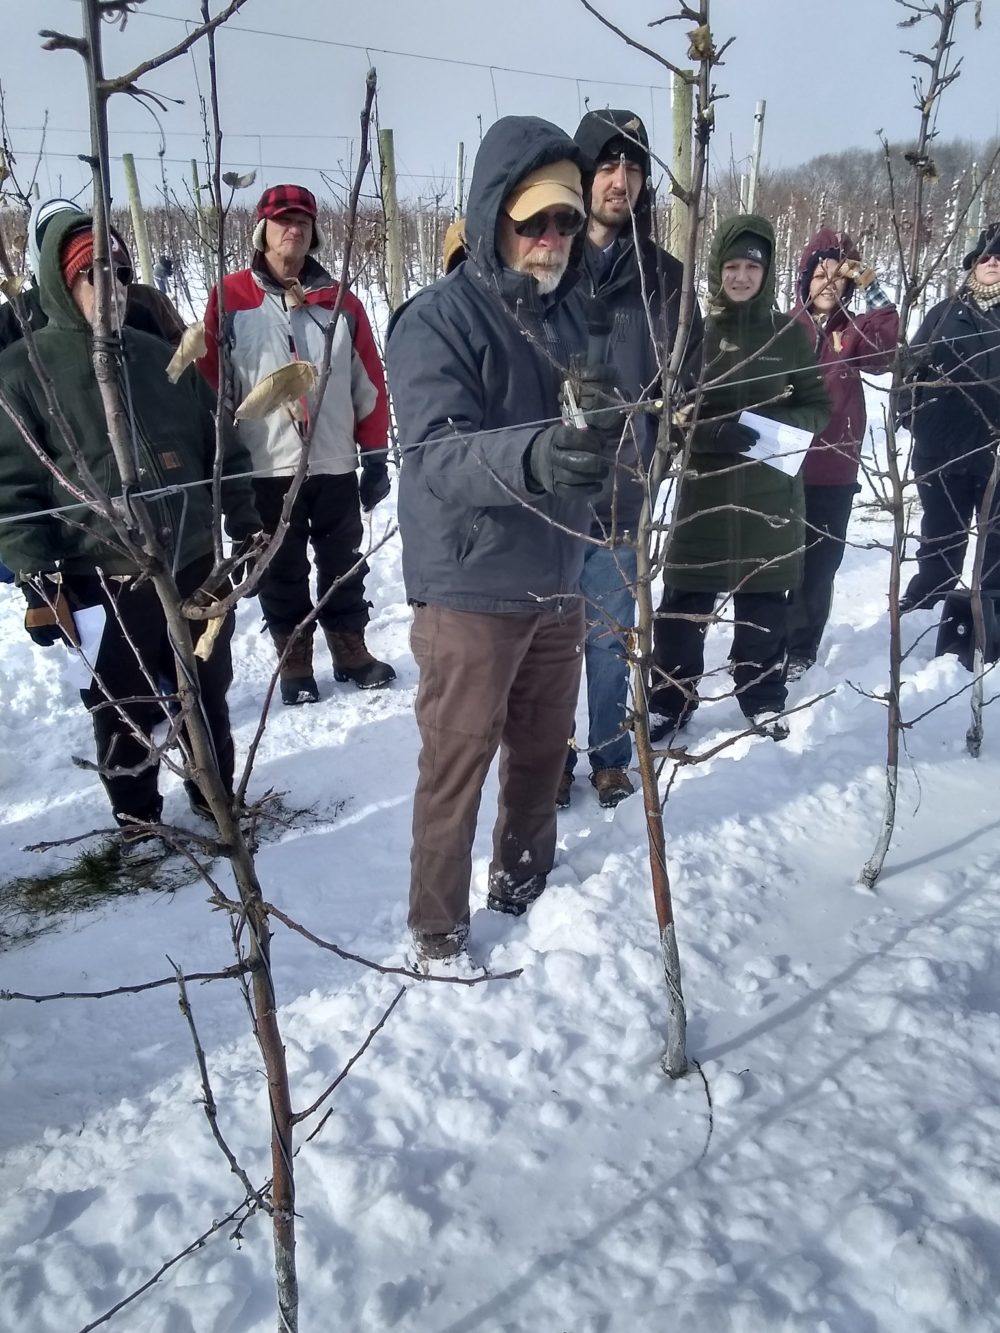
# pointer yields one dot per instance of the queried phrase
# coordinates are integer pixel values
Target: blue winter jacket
(474, 365)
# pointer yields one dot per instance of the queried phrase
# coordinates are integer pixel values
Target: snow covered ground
(508, 1158)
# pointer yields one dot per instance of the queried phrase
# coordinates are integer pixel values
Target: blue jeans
(608, 587)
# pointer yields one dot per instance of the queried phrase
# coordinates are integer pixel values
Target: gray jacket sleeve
(439, 393)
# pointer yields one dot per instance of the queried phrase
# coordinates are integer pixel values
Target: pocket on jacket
(473, 535)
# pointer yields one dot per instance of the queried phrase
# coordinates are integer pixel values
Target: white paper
(89, 622)
(780, 446)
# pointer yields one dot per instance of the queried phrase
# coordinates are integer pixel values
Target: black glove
(48, 618)
(244, 552)
(727, 437)
(374, 485)
(595, 390)
(568, 462)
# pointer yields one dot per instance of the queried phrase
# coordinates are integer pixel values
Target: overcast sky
(832, 76)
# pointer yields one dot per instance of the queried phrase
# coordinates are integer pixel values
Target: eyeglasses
(122, 272)
(566, 224)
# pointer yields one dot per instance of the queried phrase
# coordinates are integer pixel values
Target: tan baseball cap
(556, 185)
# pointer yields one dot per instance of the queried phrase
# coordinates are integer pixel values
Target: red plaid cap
(281, 199)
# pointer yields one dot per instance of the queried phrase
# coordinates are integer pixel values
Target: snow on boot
(563, 790)
(798, 666)
(434, 948)
(298, 684)
(353, 661)
(772, 725)
(513, 899)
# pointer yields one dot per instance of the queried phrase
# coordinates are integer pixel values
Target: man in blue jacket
(494, 491)
(634, 291)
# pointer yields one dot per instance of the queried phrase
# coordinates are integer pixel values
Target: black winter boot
(298, 684)
(353, 661)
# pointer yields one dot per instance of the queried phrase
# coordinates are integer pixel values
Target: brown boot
(353, 661)
(298, 684)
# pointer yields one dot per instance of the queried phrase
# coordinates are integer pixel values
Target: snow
(508, 1157)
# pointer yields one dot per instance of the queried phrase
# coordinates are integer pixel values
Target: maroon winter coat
(846, 346)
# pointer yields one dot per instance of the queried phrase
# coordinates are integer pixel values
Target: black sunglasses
(122, 272)
(566, 224)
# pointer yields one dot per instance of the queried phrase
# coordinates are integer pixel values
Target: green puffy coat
(739, 523)
(174, 436)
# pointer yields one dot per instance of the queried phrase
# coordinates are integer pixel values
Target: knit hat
(557, 185)
(619, 147)
(279, 200)
(988, 244)
(77, 255)
(748, 246)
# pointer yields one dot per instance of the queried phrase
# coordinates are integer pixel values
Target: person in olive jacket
(738, 523)
(847, 346)
(69, 561)
(952, 406)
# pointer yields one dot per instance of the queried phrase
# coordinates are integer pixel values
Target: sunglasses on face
(121, 271)
(566, 224)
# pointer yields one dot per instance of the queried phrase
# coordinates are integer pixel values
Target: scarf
(985, 296)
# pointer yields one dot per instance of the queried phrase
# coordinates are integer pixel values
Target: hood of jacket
(825, 243)
(729, 229)
(512, 147)
(593, 133)
(57, 301)
(56, 298)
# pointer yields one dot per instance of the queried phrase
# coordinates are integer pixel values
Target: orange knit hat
(77, 255)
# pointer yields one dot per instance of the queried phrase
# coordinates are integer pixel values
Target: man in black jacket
(634, 290)
(492, 489)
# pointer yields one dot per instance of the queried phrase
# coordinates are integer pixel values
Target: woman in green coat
(738, 523)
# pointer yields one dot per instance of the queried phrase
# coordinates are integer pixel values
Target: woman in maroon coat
(847, 346)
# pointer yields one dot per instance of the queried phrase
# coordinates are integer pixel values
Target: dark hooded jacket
(846, 346)
(636, 272)
(475, 364)
(951, 402)
(174, 433)
(739, 523)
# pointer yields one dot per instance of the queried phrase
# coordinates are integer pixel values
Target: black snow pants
(327, 516)
(758, 651)
(950, 502)
(134, 614)
(828, 512)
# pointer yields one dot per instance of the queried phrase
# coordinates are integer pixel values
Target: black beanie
(619, 147)
(988, 244)
(747, 245)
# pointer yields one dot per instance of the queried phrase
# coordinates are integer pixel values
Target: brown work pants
(488, 681)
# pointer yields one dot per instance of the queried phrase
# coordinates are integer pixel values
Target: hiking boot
(353, 661)
(772, 725)
(439, 948)
(612, 786)
(297, 682)
(135, 834)
(514, 899)
(798, 666)
(563, 790)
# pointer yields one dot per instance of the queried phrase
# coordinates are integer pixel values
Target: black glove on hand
(374, 485)
(48, 618)
(596, 397)
(568, 462)
(244, 552)
(728, 437)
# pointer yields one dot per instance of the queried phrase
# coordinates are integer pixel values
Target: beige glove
(856, 271)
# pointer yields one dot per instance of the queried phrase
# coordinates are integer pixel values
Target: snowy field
(508, 1158)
